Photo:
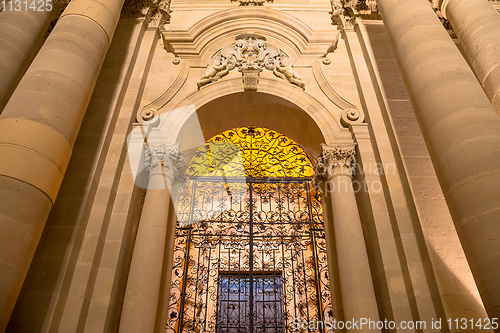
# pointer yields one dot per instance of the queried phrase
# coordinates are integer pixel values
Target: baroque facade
(244, 165)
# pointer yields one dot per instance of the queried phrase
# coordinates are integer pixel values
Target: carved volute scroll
(250, 54)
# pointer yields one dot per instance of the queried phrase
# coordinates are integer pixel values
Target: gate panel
(250, 256)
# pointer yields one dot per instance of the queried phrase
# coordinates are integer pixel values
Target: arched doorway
(250, 249)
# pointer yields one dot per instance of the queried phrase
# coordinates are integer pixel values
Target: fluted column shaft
(356, 284)
(461, 130)
(142, 293)
(477, 26)
(21, 35)
(38, 128)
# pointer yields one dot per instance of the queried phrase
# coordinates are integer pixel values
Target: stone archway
(211, 111)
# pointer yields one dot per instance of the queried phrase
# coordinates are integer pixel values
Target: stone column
(336, 163)
(38, 128)
(461, 130)
(165, 165)
(477, 25)
(21, 35)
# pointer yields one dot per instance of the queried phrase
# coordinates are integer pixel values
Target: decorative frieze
(336, 160)
(250, 54)
(166, 159)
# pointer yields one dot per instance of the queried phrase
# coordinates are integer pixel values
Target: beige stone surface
(451, 271)
(412, 263)
(444, 92)
(477, 26)
(22, 33)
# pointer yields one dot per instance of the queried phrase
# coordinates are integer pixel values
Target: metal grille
(233, 310)
(254, 261)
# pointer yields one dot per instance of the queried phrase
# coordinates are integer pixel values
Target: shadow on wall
(43, 285)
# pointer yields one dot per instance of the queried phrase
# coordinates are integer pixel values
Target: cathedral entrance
(250, 251)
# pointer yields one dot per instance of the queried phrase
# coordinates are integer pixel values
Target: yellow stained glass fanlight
(250, 152)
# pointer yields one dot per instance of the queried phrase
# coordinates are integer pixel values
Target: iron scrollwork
(250, 251)
(268, 235)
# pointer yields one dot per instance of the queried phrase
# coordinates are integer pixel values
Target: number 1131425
(27, 5)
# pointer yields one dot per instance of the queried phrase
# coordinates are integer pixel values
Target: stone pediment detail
(250, 54)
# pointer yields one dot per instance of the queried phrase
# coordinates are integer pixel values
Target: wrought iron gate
(250, 256)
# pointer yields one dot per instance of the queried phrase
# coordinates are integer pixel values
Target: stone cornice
(166, 159)
(336, 160)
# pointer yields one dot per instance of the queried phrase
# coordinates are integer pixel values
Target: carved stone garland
(250, 54)
(168, 159)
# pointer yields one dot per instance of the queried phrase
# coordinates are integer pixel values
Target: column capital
(155, 12)
(336, 159)
(166, 159)
(439, 7)
(343, 15)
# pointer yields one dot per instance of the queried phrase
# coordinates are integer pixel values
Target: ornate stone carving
(250, 53)
(351, 116)
(251, 80)
(252, 2)
(343, 15)
(216, 69)
(285, 71)
(345, 12)
(156, 12)
(335, 160)
(436, 5)
(168, 159)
